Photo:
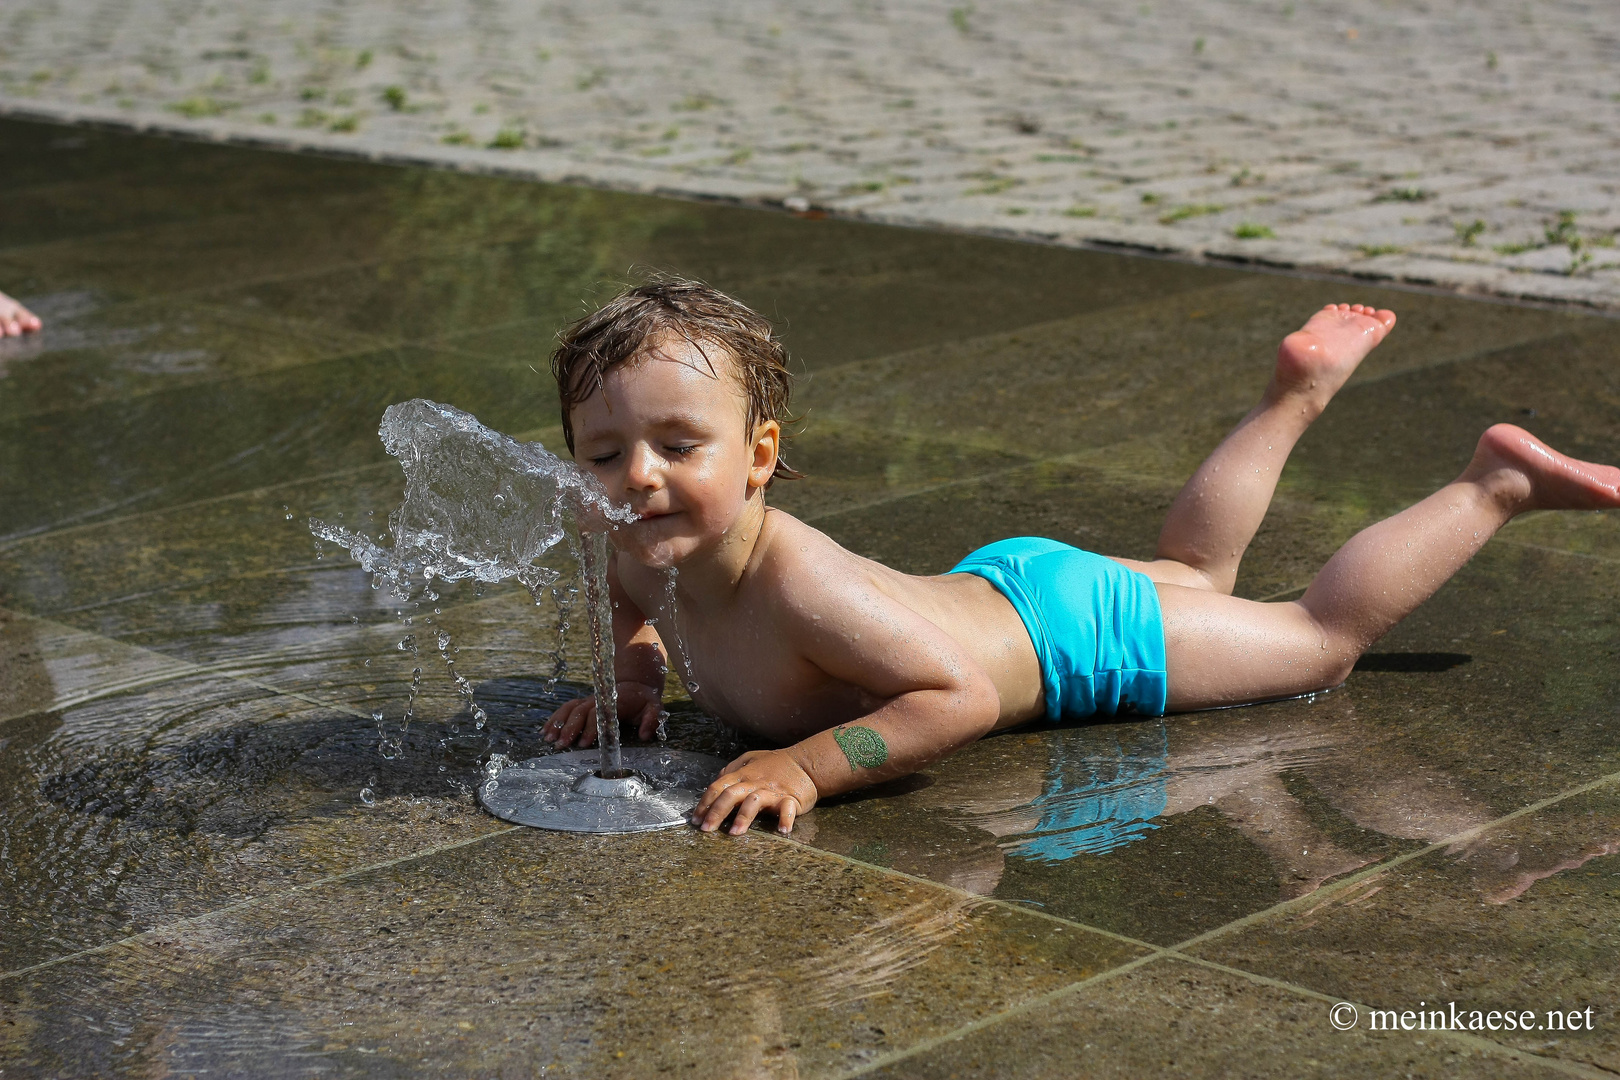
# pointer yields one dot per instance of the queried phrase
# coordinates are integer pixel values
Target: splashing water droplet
(478, 504)
(482, 506)
(368, 797)
(672, 613)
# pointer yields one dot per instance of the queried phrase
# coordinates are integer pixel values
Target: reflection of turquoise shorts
(1104, 789)
(1095, 625)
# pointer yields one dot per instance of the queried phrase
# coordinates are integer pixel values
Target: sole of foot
(1556, 481)
(1318, 358)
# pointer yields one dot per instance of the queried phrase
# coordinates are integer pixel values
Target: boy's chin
(655, 554)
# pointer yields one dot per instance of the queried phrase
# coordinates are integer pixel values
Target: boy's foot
(1314, 361)
(1534, 476)
(16, 320)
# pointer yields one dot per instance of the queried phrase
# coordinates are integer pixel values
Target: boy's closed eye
(672, 451)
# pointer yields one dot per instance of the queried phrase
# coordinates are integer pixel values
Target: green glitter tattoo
(864, 747)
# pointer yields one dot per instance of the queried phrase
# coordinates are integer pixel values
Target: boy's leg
(1221, 650)
(1217, 513)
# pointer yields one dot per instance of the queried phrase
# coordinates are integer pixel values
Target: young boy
(673, 396)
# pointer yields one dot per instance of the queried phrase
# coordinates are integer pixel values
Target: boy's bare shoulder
(802, 571)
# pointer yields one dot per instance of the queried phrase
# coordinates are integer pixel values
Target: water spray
(480, 505)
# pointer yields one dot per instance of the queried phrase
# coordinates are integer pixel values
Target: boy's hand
(639, 705)
(759, 780)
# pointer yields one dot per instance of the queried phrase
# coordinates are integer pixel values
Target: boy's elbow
(981, 702)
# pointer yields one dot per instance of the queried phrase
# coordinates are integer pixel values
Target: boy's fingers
(649, 721)
(576, 724)
(724, 803)
(786, 811)
(747, 811)
(706, 800)
(560, 718)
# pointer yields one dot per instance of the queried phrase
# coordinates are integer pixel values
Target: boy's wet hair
(627, 325)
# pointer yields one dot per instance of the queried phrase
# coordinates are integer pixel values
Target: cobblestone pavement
(1470, 144)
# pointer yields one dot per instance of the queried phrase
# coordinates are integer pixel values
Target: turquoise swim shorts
(1096, 626)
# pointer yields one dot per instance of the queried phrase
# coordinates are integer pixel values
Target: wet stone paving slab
(233, 841)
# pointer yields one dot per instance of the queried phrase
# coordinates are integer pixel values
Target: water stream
(482, 506)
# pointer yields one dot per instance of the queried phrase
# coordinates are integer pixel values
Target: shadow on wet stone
(129, 812)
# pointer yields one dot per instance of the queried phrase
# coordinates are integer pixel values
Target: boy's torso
(743, 648)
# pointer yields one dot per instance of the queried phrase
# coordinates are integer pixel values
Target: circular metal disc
(562, 791)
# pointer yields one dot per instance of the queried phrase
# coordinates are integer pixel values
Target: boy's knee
(1337, 650)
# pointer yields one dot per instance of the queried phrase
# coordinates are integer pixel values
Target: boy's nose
(645, 472)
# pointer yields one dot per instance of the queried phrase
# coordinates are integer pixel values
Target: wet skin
(792, 637)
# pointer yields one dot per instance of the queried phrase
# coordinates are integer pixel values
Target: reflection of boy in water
(1103, 788)
(673, 396)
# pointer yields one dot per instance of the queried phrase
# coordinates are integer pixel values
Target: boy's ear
(767, 445)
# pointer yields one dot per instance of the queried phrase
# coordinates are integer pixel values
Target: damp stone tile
(129, 812)
(153, 182)
(580, 956)
(1594, 535)
(91, 353)
(87, 574)
(1171, 1018)
(203, 441)
(45, 666)
(1185, 368)
(1155, 830)
(1520, 916)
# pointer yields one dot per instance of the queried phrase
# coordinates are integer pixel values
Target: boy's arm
(638, 668)
(929, 699)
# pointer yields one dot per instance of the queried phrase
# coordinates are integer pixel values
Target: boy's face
(670, 437)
